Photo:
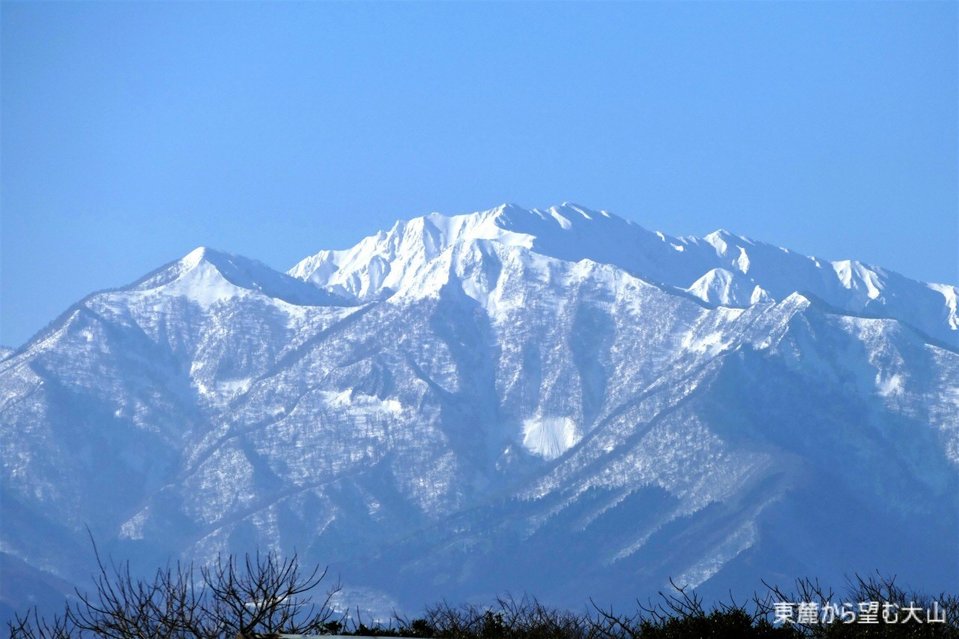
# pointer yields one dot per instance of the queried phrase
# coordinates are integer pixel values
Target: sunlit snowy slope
(554, 401)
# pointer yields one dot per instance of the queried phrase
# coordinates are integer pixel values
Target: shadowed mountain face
(556, 401)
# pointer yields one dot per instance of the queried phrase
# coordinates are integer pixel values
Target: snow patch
(742, 262)
(951, 296)
(891, 385)
(718, 242)
(741, 539)
(550, 437)
(564, 222)
(712, 343)
(759, 295)
(856, 277)
(133, 528)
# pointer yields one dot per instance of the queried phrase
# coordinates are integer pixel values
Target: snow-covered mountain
(555, 401)
(720, 269)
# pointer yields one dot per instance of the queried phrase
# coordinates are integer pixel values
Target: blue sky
(132, 133)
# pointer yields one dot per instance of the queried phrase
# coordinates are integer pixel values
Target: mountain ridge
(847, 284)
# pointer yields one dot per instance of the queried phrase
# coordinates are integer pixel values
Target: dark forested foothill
(264, 596)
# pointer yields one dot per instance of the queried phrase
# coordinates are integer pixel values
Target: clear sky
(132, 133)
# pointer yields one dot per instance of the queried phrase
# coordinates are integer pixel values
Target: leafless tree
(256, 596)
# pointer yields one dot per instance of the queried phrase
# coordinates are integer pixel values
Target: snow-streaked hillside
(556, 401)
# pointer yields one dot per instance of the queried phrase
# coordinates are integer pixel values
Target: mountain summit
(720, 269)
(554, 401)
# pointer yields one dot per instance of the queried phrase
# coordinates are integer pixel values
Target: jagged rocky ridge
(554, 401)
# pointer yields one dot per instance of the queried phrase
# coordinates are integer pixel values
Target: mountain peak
(203, 254)
(206, 275)
(193, 257)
